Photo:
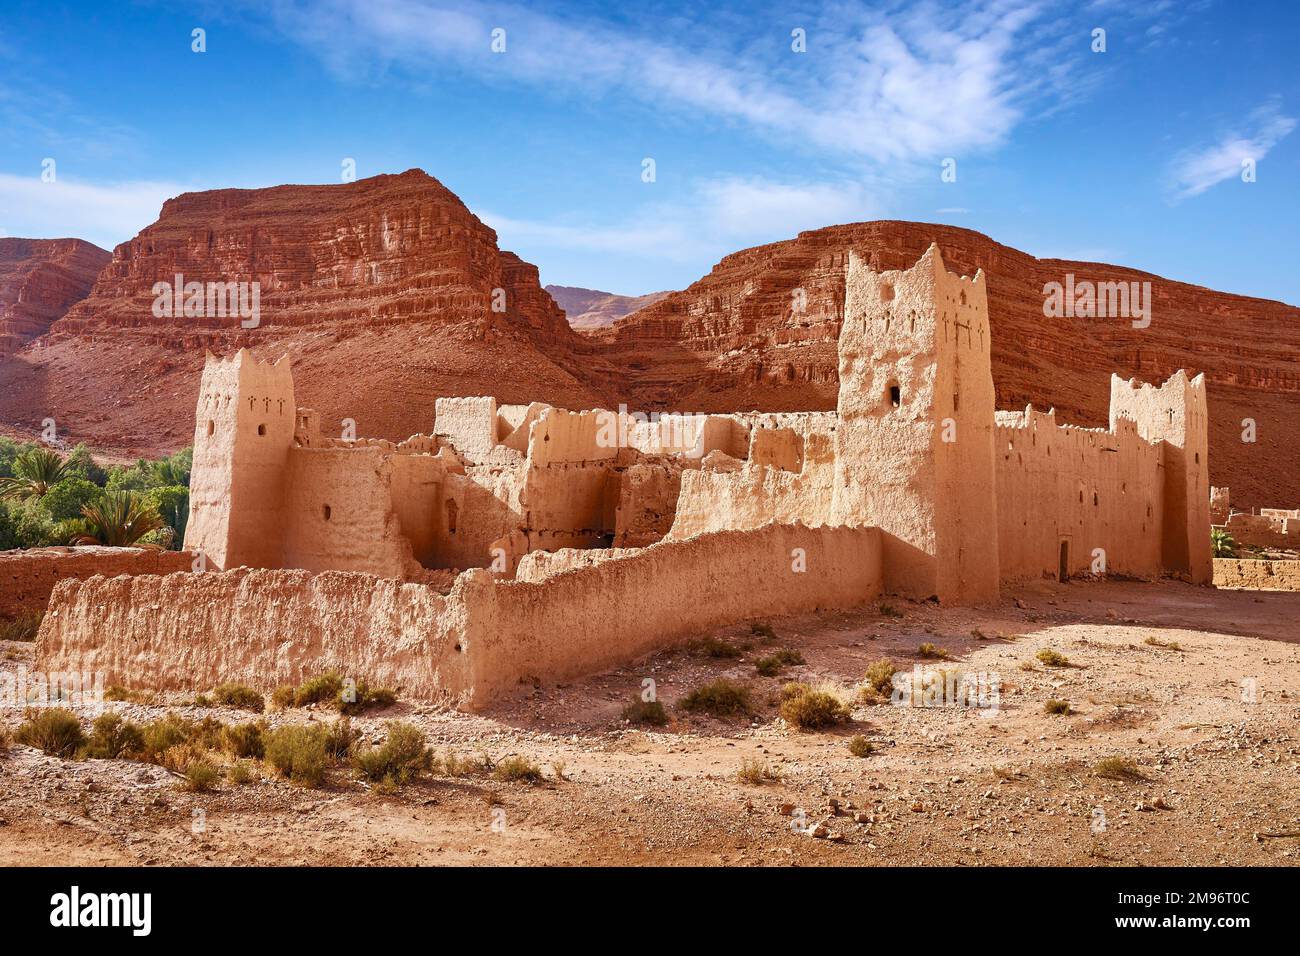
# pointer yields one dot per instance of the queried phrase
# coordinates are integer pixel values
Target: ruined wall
(1176, 414)
(266, 628)
(468, 423)
(28, 576)
(1220, 505)
(1264, 531)
(647, 503)
(244, 427)
(1257, 575)
(1076, 489)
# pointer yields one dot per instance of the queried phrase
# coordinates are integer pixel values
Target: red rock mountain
(592, 309)
(733, 340)
(381, 290)
(39, 280)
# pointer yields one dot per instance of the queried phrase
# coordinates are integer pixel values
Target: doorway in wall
(1063, 567)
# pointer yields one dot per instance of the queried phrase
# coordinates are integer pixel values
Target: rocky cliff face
(593, 309)
(737, 339)
(386, 292)
(39, 280)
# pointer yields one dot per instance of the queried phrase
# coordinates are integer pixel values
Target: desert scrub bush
(714, 647)
(888, 610)
(282, 696)
(928, 650)
(645, 712)
(340, 737)
(112, 737)
(160, 735)
(23, 627)
(298, 753)
(241, 773)
(116, 692)
(1167, 645)
(812, 709)
(202, 700)
(1051, 658)
(720, 698)
(759, 629)
(772, 664)
(321, 688)
(364, 697)
(517, 769)
(756, 772)
(239, 695)
(6, 739)
(179, 757)
(401, 758)
(880, 676)
(243, 740)
(54, 730)
(200, 776)
(456, 766)
(1118, 768)
(860, 746)
(1054, 706)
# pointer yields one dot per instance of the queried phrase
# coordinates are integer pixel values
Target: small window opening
(452, 510)
(212, 427)
(261, 429)
(327, 511)
(895, 395)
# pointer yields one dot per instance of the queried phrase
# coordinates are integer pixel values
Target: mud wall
(1257, 575)
(27, 577)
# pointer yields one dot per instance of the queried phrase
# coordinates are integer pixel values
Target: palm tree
(35, 473)
(118, 519)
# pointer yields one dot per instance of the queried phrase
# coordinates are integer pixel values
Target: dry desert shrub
(517, 769)
(54, 730)
(715, 647)
(282, 696)
(128, 695)
(774, 663)
(340, 738)
(928, 650)
(649, 712)
(1118, 768)
(1051, 658)
(1167, 645)
(880, 677)
(401, 758)
(761, 630)
(719, 698)
(808, 709)
(239, 695)
(23, 627)
(888, 610)
(756, 772)
(298, 753)
(860, 746)
(1054, 706)
(241, 773)
(365, 698)
(200, 776)
(112, 738)
(321, 688)
(244, 740)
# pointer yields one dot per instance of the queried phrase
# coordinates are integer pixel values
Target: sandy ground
(1220, 775)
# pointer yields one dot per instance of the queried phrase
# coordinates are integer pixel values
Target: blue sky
(1132, 155)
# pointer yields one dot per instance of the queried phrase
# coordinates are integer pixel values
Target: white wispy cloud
(102, 213)
(1194, 171)
(720, 216)
(889, 85)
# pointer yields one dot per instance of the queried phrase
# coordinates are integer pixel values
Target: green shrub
(880, 676)
(340, 737)
(162, 734)
(321, 688)
(54, 730)
(1222, 543)
(645, 712)
(112, 737)
(200, 776)
(23, 627)
(812, 709)
(772, 664)
(1052, 658)
(66, 499)
(721, 698)
(518, 770)
(239, 695)
(243, 740)
(402, 757)
(860, 746)
(298, 752)
(365, 698)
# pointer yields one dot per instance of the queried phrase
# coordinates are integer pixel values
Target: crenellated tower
(244, 428)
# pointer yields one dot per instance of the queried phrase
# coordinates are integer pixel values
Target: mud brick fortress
(521, 543)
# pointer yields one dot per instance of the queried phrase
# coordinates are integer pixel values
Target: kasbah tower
(914, 444)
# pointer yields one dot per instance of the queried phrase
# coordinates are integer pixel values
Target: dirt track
(944, 786)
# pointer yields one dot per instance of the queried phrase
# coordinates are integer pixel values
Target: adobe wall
(1086, 488)
(1176, 414)
(1257, 575)
(468, 423)
(1264, 531)
(265, 628)
(28, 576)
(1220, 505)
